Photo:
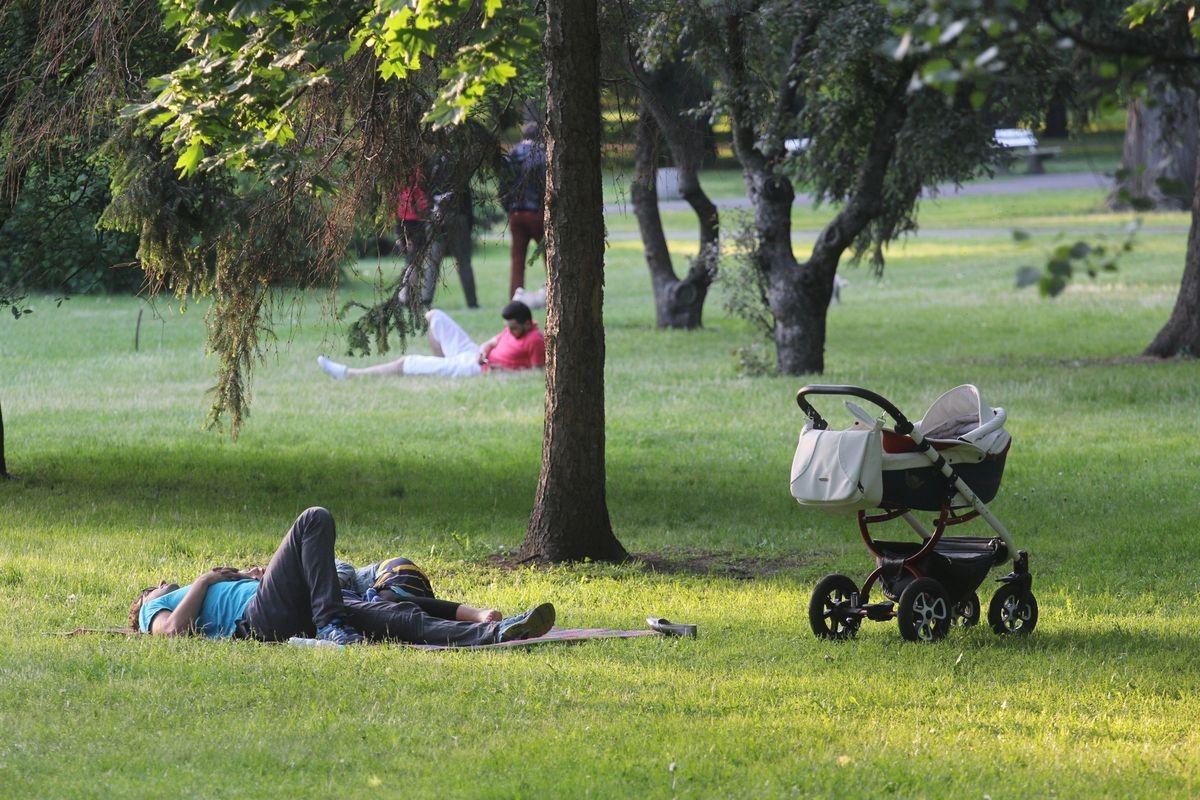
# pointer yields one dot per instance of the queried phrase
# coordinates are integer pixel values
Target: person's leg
(463, 365)
(406, 622)
(455, 356)
(390, 368)
(433, 606)
(466, 613)
(447, 337)
(445, 609)
(459, 244)
(340, 372)
(299, 592)
(415, 240)
(519, 230)
(433, 267)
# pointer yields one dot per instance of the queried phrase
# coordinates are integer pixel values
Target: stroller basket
(926, 488)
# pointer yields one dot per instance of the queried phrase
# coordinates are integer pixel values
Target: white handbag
(839, 471)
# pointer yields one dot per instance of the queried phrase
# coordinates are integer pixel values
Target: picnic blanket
(556, 635)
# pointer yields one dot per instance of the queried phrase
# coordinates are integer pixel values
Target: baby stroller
(950, 462)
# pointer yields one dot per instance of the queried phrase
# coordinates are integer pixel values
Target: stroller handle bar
(903, 426)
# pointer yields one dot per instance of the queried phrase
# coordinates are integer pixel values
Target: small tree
(671, 96)
(814, 94)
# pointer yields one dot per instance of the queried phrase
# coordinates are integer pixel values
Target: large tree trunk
(570, 516)
(1160, 147)
(677, 304)
(1181, 335)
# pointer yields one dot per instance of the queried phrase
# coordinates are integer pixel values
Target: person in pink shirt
(455, 355)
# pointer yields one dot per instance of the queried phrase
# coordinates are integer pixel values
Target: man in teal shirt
(227, 594)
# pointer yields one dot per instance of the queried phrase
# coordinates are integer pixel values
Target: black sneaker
(533, 623)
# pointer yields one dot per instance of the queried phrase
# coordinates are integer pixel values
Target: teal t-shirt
(224, 604)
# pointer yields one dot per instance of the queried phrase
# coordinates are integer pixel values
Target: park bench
(1023, 144)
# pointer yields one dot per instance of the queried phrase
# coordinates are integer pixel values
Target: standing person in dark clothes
(298, 594)
(523, 199)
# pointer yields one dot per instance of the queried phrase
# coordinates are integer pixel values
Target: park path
(1005, 185)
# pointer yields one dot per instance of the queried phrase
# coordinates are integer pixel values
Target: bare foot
(471, 614)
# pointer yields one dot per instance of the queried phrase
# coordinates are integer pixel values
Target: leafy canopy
(233, 103)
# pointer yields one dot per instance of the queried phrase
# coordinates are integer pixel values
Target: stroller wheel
(1013, 610)
(924, 611)
(966, 612)
(827, 608)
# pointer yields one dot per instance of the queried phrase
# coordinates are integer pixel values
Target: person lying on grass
(455, 355)
(298, 594)
(397, 580)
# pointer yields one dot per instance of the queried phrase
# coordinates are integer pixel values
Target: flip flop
(668, 628)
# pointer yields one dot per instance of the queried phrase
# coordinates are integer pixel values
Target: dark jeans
(522, 226)
(407, 622)
(450, 236)
(300, 591)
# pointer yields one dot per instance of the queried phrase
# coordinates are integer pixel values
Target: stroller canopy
(962, 414)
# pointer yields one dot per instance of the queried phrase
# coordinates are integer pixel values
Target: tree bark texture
(570, 516)
(1160, 143)
(1181, 335)
(668, 94)
(677, 304)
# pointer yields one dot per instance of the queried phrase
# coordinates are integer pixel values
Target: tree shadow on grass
(418, 498)
(1117, 641)
(127, 488)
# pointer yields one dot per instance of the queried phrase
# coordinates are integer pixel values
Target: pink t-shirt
(513, 353)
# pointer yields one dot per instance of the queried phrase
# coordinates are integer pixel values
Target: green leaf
(936, 65)
(1059, 268)
(1051, 286)
(190, 159)
(1172, 187)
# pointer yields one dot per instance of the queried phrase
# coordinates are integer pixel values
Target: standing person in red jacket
(455, 355)
(429, 228)
(412, 215)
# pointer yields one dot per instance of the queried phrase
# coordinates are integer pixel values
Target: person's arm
(182, 620)
(488, 347)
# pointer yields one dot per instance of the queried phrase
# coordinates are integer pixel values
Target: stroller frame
(931, 584)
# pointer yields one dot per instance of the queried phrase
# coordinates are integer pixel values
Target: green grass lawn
(119, 485)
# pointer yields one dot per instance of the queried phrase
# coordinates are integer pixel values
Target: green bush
(49, 241)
